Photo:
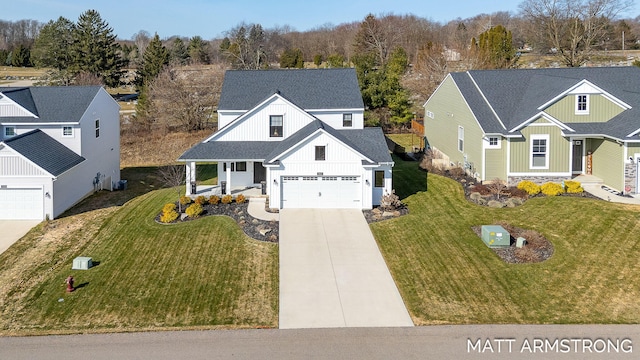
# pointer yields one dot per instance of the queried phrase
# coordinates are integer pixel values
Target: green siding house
(540, 124)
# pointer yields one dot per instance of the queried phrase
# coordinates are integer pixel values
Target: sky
(211, 19)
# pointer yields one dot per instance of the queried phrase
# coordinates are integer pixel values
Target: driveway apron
(332, 273)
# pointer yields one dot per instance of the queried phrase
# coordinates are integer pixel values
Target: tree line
(399, 58)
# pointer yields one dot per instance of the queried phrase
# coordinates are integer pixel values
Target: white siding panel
(334, 118)
(13, 165)
(255, 126)
(8, 108)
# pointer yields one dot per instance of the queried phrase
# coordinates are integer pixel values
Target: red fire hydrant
(69, 282)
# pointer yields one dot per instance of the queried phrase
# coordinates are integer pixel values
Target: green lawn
(446, 274)
(199, 274)
(408, 141)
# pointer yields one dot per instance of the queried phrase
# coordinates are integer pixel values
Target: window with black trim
(97, 128)
(379, 178)
(67, 131)
(241, 166)
(347, 120)
(275, 125)
(320, 153)
(582, 104)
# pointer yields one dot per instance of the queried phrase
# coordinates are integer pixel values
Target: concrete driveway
(12, 230)
(332, 273)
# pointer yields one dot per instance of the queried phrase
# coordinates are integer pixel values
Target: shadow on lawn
(140, 180)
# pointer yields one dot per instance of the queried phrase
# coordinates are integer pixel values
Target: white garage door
(21, 204)
(329, 192)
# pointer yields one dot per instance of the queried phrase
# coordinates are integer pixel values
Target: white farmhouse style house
(57, 145)
(299, 133)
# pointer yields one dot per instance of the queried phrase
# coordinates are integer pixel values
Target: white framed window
(582, 104)
(539, 151)
(493, 142)
(67, 131)
(430, 114)
(347, 120)
(9, 131)
(275, 125)
(460, 139)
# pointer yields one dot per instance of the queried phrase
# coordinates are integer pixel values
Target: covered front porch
(234, 177)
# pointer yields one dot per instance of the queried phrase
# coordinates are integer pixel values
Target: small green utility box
(495, 236)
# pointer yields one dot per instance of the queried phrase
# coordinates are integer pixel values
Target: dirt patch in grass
(536, 249)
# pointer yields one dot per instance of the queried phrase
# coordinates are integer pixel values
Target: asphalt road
(431, 342)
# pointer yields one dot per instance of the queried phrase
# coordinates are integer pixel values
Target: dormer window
(347, 120)
(582, 104)
(275, 126)
(9, 131)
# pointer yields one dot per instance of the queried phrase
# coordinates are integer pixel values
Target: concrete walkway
(12, 230)
(332, 273)
(597, 190)
(256, 209)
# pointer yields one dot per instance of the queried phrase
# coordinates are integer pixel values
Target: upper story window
(460, 139)
(67, 131)
(321, 153)
(582, 104)
(9, 131)
(347, 120)
(275, 125)
(97, 128)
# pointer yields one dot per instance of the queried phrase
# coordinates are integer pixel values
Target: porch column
(190, 172)
(228, 189)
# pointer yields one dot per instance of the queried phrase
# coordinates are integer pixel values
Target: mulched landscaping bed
(536, 249)
(257, 229)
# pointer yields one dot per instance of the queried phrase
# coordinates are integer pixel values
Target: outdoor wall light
(47, 195)
(275, 182)
(367, 182)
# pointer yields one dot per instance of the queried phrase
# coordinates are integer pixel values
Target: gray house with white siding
(57, 145)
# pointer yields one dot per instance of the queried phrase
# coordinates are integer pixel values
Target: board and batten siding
(601, 109)
(496, 162)
(449, 112)
(558, 150)
(608, 162)
(255, 126)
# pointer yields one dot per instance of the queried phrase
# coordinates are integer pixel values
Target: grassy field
(200, 274)
(408, 141)
(446, 274)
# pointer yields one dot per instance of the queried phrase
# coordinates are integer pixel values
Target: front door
(259, 172)
(578, 153)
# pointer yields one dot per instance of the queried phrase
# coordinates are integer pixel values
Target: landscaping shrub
(185, 200)
(240, 199)
(168, 216)
(201, 200)
(390, 201)
(529, 186)
(169, 207)
(194, 210)
(514, 192)
(457, 172)
(551, 189)
(226, 199)
(482, 189)
(573, 187)
(214, 199)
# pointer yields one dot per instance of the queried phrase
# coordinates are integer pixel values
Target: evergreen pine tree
(179, 54)
(52, 46)
(95, 49)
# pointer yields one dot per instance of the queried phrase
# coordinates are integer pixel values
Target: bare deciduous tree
(173, 176)
(185, 98)
(572, 28)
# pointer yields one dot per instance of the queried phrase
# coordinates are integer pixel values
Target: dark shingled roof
(51, 104)
(516, 94)
(307, 88)
(44, 151)
(369, 142)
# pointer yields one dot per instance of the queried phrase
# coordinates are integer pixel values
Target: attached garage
(21, 204)
(339, 192)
